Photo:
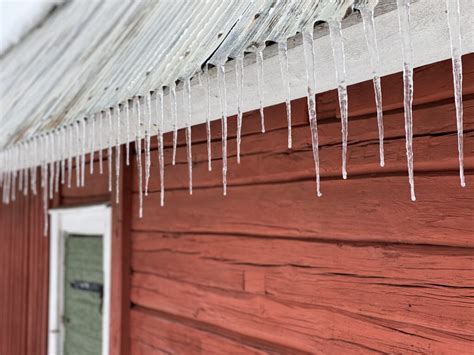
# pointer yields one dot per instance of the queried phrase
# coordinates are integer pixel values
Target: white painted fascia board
(430, 36)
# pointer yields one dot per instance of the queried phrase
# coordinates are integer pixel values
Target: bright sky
(17, 17)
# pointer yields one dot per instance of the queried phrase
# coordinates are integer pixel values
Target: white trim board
(84, 220)
(430, 38)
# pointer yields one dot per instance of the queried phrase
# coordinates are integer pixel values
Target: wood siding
(24, 273)
(271, 267)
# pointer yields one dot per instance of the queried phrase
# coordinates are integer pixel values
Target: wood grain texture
(361, 269)
(23, 277)
(271, 268)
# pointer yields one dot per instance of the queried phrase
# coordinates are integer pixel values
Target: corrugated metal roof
(93, 55)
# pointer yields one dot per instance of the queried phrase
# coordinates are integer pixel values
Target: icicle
(310, 60)
(63, 154)
(174, 114)
(13, 191)
(34, 169)
(208, 118)
(403, 7)
(101, 142)
(283, 55)
(223, 107)
(160, 109)
(27, 151)
(78, 154)
(117, 157)
(70, 154)
(456, 52)
(138, 153)
(199, 78)
(110, 142)
(92, 144)
(57, 158)
(20, 171)
(239, 78)
(51, 157)
(44, 184)
(337, 42)
(260, 80)
(127, 143)
(187, 89)
(148, 143)
(370, 37)
(83, 152)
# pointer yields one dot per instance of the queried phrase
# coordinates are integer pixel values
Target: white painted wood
(430, 42)
(84, 220)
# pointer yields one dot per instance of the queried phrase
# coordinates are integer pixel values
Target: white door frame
(83, 220)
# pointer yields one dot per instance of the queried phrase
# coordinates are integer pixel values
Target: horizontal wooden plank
(426, 286)
(170, 337)
(291, 323)
(369, 209)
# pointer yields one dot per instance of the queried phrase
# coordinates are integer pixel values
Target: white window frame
(91, 220)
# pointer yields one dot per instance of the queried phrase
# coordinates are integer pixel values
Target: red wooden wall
(24, 273)
(271, 267)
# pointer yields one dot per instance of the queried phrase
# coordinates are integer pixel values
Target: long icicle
(127, 143)
(223, 107)
(148, 143)
(189, 155)
(63, 155)
(25, 187)
(101, 143)
(51, 158)
(335, 32)
(456, 53)
(83, 152)
(239, 76)
(283, 56)
(161, 160)
(117, 156)
(174, 116)
(260, 79)
(92, 144)
(78, 154)
(310, 60)
(138, 153)
(109, 148)
(403, 7)
(34, 169)
(207, 87)
(58, 160)
(44, 185)
(70, 156)
(371, 39)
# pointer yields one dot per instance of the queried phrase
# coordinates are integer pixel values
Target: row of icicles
(57, 152)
